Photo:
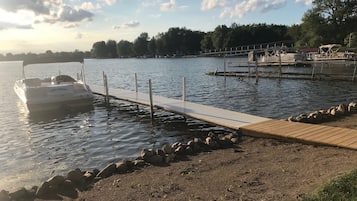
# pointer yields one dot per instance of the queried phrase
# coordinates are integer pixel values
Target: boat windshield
(63, 78)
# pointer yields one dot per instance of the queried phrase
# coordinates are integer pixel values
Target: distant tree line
(181, 41)
(328, 21)
(47, 56)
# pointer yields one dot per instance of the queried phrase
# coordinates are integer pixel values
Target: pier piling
(151, 101)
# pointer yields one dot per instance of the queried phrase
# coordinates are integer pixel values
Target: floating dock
(247, 124)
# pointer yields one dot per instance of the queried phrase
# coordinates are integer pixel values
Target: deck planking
(248, 124)
(303, 132)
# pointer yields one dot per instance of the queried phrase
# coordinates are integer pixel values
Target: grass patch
(341, 189)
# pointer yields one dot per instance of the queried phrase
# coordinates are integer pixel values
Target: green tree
(152, 47)
(206, 42)
(141, 44)
(99, 50)
(219, 36)
(329, 21)
(125, 49)
(112, 49)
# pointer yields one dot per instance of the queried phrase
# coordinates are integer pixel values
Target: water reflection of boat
(57, 92)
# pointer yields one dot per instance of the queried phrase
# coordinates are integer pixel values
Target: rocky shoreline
(78, 180)
(59, 186)
(326, 115)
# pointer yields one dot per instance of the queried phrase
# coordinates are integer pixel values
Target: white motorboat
(57, 92)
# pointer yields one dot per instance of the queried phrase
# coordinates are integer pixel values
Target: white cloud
(50, 11)
(79, 35)
(71, 25)
(155, 15)
(7, 25)
(38, 7)
(89, 6)
(130, 24)
(306, 2)
(273, 5)
(168, 5)
(110, 2)
(247, 6)
(212, 4)
(69, 14)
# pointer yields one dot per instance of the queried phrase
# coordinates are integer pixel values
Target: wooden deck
(310, 133)
(248, 124)
(217, 116)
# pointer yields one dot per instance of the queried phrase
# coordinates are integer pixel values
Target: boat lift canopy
(50, 59)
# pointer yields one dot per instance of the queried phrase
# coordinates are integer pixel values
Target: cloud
(110, 2)
(79, 35)
(168, 6)
(51, 11)
(130, 24)
(273, 5)
(306, 2)
(38, 7)
(155, 15)
(71, 25)
(89, 6)
(212, 4)
(246, 6)
(69, 14)
(6, 25)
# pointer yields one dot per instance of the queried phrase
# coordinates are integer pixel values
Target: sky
(35, 26)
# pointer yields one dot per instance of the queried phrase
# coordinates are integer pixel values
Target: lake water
(35, 147)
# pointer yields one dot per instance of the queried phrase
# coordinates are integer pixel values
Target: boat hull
(45, 96)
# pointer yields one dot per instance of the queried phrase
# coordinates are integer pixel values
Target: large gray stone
(146, 153)
(4, 196)
(107, 171)
(22, 194)
(156, 160)
(122, 167)
(352, 107)
(167, 149)
(76, 176)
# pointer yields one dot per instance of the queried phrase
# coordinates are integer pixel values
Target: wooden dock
(248, 124)
(216, 116)
(303, 132)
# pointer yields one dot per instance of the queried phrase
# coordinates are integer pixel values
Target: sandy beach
(255, 169)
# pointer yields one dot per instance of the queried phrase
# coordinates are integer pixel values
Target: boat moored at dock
(57, 92)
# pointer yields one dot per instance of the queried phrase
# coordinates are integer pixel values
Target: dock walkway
(248, 124)
(217, 116)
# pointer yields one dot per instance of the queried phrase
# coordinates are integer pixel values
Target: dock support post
(354, 72)
(136, 83)
(256, 72)
(279, 64)
(184, 89)
(136, 90)
(313, 72)
(151, 101)
(106, 90)
(224, 66)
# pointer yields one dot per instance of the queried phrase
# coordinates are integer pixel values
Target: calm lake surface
(35, 147)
